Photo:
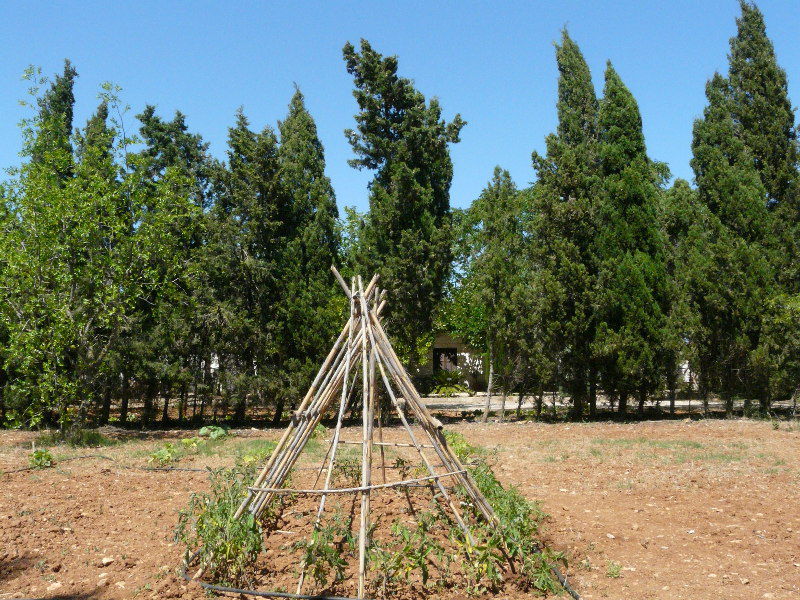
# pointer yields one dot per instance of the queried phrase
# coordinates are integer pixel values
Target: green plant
(41, 459)
(460, 446)
(165, 455)
(448, 383)
(213, 432)
(518, 525)
(613, 569)
(227, 547)
(322, 555)
(347, 471)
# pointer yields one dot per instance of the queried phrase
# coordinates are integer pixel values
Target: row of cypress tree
(602, 277)
(140, 274)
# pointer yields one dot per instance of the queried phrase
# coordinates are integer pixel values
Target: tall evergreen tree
(493, 249)
(564, 221)
(56, 106)
(407, 235)
(728, 300)
(632, 283)
(760, 105)
(310, 303)
(251, 215)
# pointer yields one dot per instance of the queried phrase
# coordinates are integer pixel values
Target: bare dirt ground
(653, 510)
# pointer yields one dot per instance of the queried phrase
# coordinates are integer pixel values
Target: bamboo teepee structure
(363, 346)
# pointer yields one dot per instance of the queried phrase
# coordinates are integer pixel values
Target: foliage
(322, 552)
(41, 458)
(514, 534)
(448, 383)
(227, 547)
(164, 455)
(213, 432)
(632, 281)
(564, 224)
(406, 235)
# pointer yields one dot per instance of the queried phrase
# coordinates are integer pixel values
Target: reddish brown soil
(664, 510)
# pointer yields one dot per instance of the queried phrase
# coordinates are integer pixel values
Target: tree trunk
(539, 399)
(149, 398)
(519, 405)
(279, 404)
(503, 405)
(623, 404)
(166, 392)
(105, 410)
(578, 396)
(489, 389)
(555, 400)
(126, 396)
(592, 394)
(642, 400)
(182, 404)
(672, 384)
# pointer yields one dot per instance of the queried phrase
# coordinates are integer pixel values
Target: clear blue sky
(491, 61)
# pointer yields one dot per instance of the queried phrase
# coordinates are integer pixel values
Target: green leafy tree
(73, 268)
(563, 225)
(407, 234)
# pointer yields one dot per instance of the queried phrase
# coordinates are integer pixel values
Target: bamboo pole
(429, 424)
(302, 437)
(419, 449)
(385, 444)
(278, 448)
(340, 279)
(308, 421)
(334, 442)
(366, 452)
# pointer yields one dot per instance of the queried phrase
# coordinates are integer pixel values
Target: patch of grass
(254, 452)
(708, 456)
(81, 438)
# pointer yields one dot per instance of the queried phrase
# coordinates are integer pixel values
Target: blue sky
(491, 61)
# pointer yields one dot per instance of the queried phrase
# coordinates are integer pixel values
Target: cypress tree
(760, 105)
(493, 252)
(310, 304)
(408, 230)
(251, 213)
(564, 222)
(725, 173)
(729, 300)
(56, 106)
(632, 276)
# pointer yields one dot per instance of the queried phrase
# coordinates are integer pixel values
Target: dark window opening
(445, 359)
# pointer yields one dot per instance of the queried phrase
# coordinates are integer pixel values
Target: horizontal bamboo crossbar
(393, 444)
(353, 490)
